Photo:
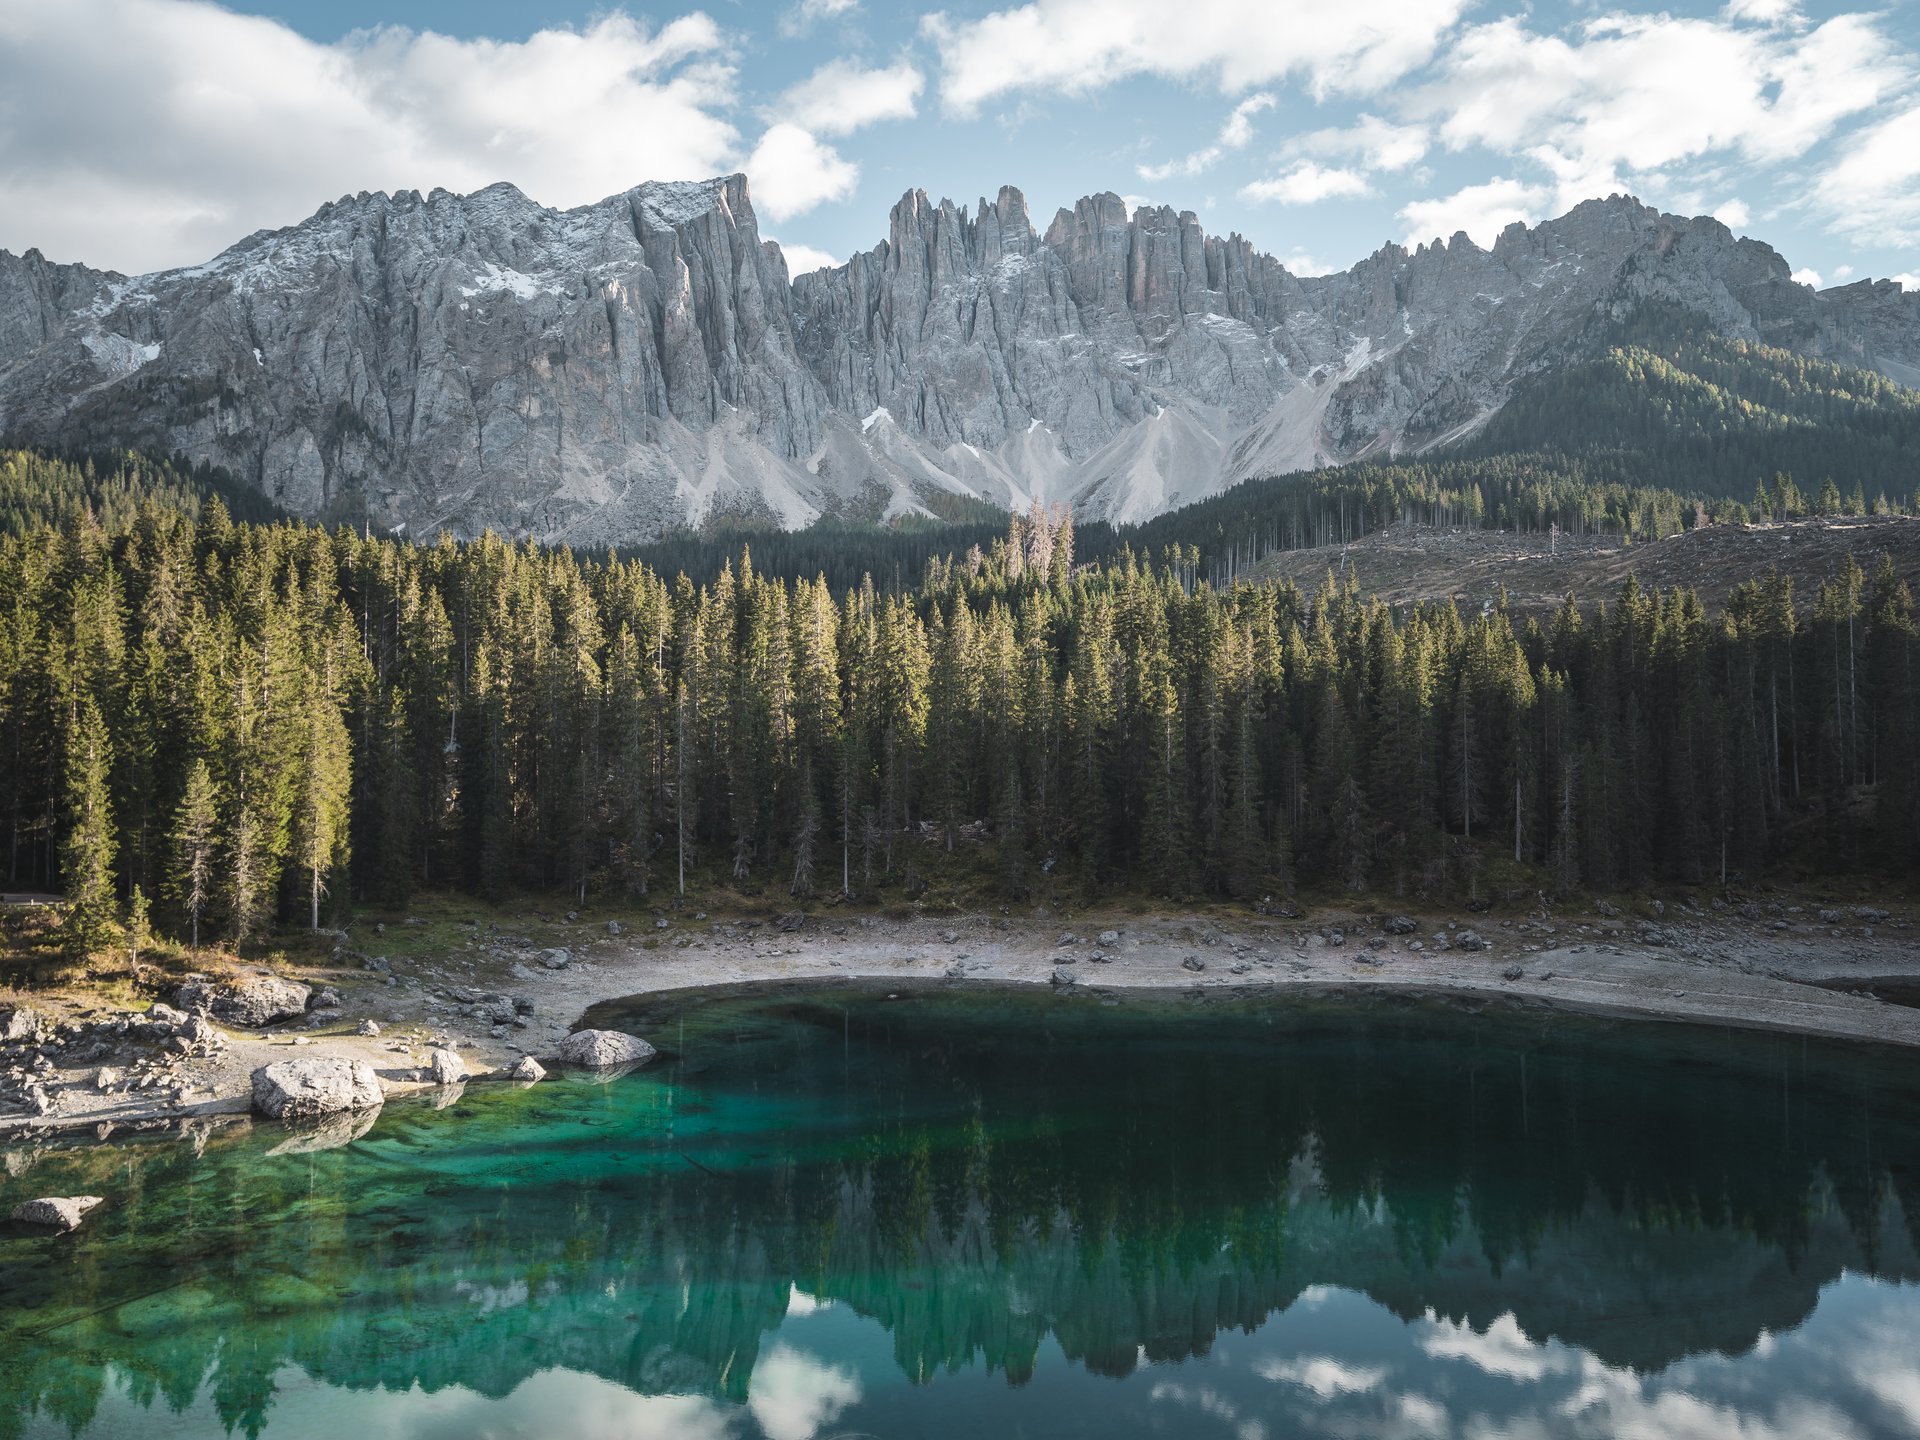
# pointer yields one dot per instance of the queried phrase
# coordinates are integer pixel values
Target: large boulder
(251, 1000)
(58, 1212)
(602, 1049)
(323, 1085)
(528, 1070)
(19, 1023)
(446, 1067)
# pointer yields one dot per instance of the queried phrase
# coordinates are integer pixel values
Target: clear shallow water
(1017, 1215)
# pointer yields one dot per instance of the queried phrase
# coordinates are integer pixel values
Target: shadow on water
(966, 1187)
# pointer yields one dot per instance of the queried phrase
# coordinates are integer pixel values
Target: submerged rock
(58, 1212)
(323, 1085)
(601, 1049)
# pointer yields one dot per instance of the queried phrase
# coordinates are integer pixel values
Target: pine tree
(194, 844)
(86, 855)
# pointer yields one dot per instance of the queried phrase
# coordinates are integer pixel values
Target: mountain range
(610, 373)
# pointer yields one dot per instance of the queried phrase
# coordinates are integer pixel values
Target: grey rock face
(58, 1212)
(600, 1049)
(604, 373)
(19, 1023)
(252, 1000)
(298, 1089)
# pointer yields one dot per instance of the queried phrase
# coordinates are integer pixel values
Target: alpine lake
(835, 1212)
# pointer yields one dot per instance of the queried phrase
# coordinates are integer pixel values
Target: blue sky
(142, 133)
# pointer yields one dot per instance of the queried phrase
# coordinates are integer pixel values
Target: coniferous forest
(211, 726)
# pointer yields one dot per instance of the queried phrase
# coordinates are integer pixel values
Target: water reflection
(835, 1216)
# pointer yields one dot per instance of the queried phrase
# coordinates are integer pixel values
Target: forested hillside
(1675, 406)
(237, 723)
(38, 490)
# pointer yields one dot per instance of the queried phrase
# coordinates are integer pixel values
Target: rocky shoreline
(501, 1005)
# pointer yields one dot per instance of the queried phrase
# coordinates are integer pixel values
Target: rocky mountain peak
(605, 372)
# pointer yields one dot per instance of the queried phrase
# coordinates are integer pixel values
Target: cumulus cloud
(1806, 276)
(1375, 143)
(1077, 46)
(1872, 189)
(800, 260)
(792, 171)
(842, 96)
(808, 13)
(1733, 214)
(1236, 134)
(1636, 94)
(144, 133)
(1483, 211)
(1307, 183)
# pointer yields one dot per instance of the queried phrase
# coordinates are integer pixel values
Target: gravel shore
(493, 995)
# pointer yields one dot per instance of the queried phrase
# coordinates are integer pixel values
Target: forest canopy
(241, 722)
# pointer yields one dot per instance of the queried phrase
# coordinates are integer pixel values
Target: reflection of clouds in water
(1208, 1401)
(1322, 1374)
(800, 1303)
(552, 1402)
(1501, 1349)
(1851, 1371)
(792, 1394)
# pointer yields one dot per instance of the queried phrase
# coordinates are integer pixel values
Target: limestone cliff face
(605, 373)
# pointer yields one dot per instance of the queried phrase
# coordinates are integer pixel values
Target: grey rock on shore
(58, 1212)
(601, 1049)
(251, 1000)
(297, 1089)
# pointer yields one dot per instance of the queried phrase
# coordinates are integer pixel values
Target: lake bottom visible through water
(829, 1213)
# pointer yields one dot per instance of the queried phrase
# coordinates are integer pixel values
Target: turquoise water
(830, 1214)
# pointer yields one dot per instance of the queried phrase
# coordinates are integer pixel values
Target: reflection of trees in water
(1641, 1208)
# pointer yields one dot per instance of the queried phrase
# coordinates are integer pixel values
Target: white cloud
(841, 97)
(808, 13)
(1906, 280)
(146, 133)
(1843, 272)
(1733, 214)
(791, 172)
(1075, 46)
(1764, 12)
(1483, 211)
(1805, 276)
(1239, 127)
(1378, 144)
(1638, 94)
(1302, 264)
(800, 260)
(1234, 135)
(1306, 183)
(1872, 190)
